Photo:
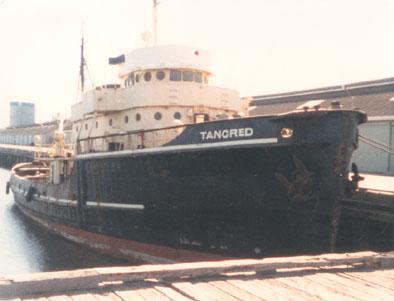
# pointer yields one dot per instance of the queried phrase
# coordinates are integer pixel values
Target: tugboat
(166, 167)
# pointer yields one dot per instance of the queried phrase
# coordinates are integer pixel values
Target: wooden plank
(59, 298)
(90, 278)
(252, 288)
(284, 289)
(350, 291)
(171, 293)
(106, 296)
(214, 291)
(143, 291)
(152, 294)
(359, 286)
(315, 289)
(379, 280)
(196, 293)
(128, 294)
(234, 291)
(83, 296)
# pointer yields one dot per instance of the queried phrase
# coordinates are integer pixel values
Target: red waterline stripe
(122, 248)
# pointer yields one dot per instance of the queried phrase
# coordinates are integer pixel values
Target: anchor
(301, 187)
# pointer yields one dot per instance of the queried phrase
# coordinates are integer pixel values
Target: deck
(352, 276)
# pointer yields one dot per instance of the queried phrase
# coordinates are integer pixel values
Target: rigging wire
(377, 144)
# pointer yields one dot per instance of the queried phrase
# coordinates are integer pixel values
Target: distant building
(24, 135)
(21, 113)
(376, 98)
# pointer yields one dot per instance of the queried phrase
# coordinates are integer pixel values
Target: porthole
(147, 76)
(126, 119)
(160, 75)
(110, 122)
(177, 115)
(138, 116)
(137, 78)
(158, 115)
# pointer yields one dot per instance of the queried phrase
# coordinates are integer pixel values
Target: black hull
(250, 197)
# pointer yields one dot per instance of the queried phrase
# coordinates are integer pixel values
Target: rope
(377, 144)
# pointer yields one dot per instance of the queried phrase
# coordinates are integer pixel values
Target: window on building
(158, 115)
(198, 77)
(138, 116)
(110, 122)
(76, 128)
(137, 78)
(177, 115)
(175, 75)
(147, 76)
(96, 124)
(86, 126)
(126, 119)
(160, 75)
(187, 76)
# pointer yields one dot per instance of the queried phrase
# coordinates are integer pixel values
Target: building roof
(375, 97)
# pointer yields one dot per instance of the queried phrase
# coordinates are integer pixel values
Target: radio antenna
(155, 4)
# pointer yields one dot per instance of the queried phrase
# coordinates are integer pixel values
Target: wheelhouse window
(147, 76)
(175, 75)
(187, 76)
(160, 75)
(198, 77)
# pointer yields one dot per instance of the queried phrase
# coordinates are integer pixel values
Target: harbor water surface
(26, 248)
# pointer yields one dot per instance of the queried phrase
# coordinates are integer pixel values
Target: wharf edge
(353, 276)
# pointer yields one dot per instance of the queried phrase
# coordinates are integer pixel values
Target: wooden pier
(352, 276)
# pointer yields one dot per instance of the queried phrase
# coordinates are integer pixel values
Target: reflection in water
(25, 247)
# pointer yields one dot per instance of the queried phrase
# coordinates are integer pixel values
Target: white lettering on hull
(226, 134)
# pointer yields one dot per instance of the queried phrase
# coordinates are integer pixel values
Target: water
(26, 248)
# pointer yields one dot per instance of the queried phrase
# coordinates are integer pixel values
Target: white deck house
(161, 86)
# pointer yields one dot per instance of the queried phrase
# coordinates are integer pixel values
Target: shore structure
(349, 276)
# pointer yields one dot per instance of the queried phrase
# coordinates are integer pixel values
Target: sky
(257, 46)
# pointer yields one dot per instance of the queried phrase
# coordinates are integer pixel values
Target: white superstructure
(161, 86)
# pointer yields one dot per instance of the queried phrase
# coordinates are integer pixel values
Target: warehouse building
(376, 98)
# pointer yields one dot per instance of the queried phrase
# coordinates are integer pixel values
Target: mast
(81, 67)
(155, 4)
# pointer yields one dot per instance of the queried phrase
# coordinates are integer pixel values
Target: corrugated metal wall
(371, 159)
